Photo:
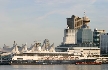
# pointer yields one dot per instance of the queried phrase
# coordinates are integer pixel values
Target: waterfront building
(78, 36)
(85, 35)
(104, 43)
(70, 36)
(35, 47)
(76, 22)
(96, 36)
(86, 51)
(69, 40)
(65, 47)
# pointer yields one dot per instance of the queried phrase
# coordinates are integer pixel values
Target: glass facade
(84, 35)
(96, 36)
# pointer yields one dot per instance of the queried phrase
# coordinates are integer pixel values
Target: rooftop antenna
(84, 14)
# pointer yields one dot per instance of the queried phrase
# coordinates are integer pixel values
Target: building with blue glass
(96, 36)
(85, 35)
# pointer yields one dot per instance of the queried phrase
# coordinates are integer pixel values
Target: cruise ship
(38, 58)
(46, 57)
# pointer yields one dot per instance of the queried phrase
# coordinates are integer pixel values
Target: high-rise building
(96, 36)
(76, 22)
(104, 43)
(84, 35)
(77, 34)
(70, 36)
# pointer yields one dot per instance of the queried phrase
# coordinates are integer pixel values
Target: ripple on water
(54, 67)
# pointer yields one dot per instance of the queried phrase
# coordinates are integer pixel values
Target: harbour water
(54, 67)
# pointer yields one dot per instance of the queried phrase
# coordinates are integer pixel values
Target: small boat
(88, 63)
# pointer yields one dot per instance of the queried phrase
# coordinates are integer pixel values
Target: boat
(43, 56)
(88, 63)
(46, 57)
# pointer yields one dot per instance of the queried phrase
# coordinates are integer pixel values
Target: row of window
(91, 49)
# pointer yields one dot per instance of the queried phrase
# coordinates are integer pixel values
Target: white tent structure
(36, 47)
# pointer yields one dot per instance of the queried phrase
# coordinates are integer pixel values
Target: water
(54, 67)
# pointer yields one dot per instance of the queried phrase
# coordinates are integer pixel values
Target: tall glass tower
(85, 35)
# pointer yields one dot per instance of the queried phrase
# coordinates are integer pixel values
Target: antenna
(84, 14)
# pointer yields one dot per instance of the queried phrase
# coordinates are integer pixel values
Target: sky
(26, 21)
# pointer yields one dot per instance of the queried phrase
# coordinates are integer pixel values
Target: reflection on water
(54, 67)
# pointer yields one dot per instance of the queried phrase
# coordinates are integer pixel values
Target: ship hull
(48, 62)
(88, 63)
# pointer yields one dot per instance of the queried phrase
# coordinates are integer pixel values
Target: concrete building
(77, 34)
(76, 22)
(70, 36)
(96, 36)
(104, 43)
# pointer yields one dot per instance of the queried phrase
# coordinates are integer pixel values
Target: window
(19, 58)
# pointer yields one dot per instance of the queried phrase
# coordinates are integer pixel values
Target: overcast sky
(29, 20)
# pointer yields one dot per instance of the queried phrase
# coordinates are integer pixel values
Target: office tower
(96, 36)
(104, 43)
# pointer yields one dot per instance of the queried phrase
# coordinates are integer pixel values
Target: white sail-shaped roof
(33, 48)
(6, 49)
(39, 48)
(43, 47)
(23, 48)
(51, 48)
(15, 49)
